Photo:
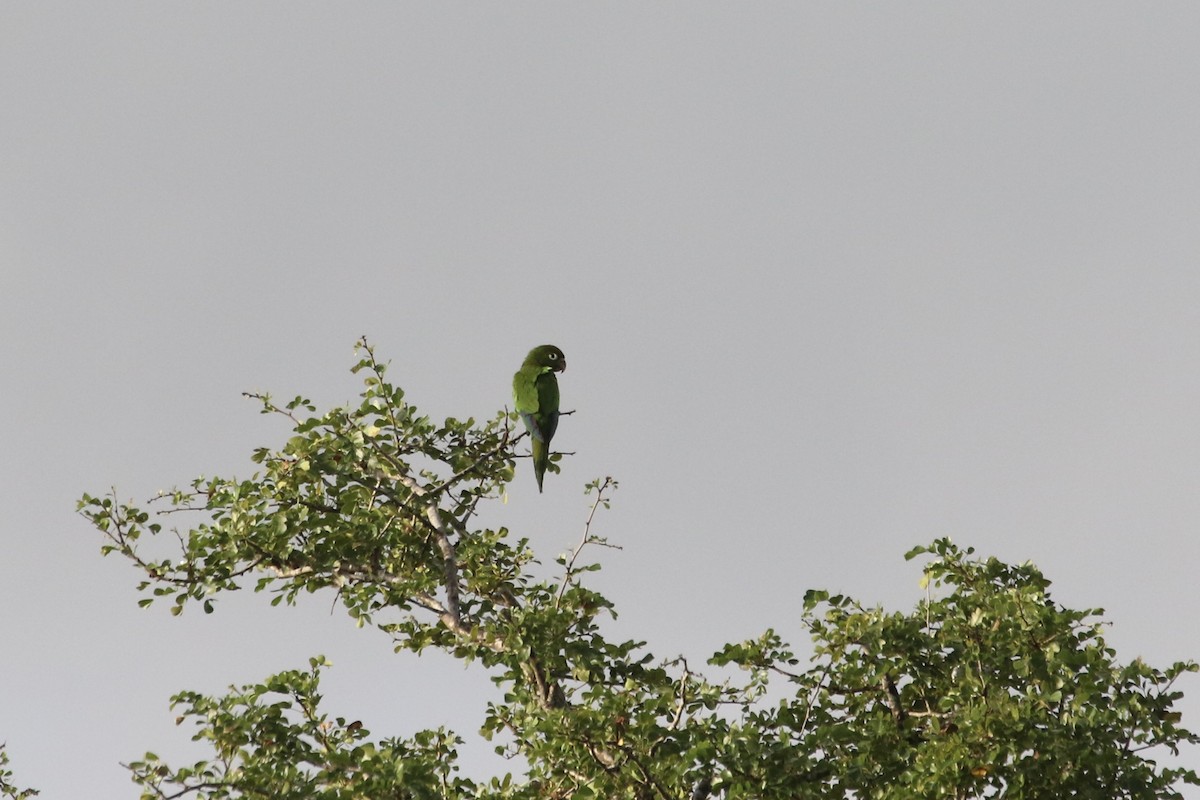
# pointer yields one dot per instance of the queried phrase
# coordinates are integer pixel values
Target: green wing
(525, 389)
(535, 394)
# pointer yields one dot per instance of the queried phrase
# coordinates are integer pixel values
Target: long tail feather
(541, 457)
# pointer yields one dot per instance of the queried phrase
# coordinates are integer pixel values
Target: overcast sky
(832, 279)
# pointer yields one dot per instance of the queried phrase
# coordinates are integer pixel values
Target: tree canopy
(988, 688)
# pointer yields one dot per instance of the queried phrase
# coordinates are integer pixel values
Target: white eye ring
(554, 356)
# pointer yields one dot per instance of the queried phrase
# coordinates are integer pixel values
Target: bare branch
(812, 698)
(584, 541)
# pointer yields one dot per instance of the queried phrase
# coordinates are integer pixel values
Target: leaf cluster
(992, 690)
(7, 788)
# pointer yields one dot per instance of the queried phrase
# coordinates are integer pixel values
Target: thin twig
(583, 541)
(812, 698)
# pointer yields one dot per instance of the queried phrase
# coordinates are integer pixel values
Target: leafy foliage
(7, 789)
(991, 690)
(271, 741)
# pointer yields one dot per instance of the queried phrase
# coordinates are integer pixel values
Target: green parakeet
(535, 394)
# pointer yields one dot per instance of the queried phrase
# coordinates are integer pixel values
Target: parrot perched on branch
(535, 394)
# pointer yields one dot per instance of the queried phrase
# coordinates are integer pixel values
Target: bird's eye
(554, 356)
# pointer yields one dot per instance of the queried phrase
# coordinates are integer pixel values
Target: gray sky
(833, 280)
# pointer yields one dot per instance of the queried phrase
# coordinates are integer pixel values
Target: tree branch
(585, 539)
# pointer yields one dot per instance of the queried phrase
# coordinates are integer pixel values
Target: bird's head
(547, 355)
